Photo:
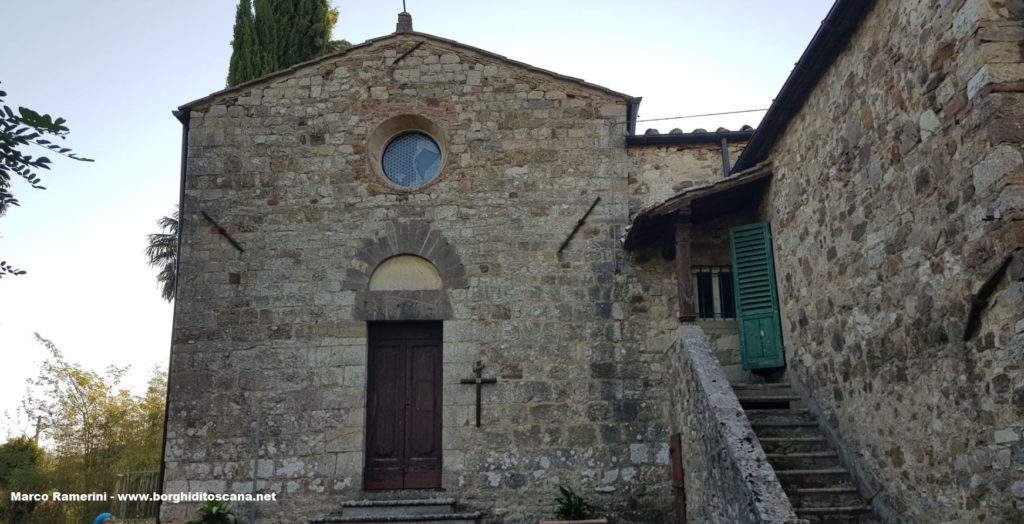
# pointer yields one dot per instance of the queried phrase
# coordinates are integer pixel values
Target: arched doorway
(404, 378)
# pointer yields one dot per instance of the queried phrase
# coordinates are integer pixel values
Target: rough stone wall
(726, 473)
(658, 172)
(897, 192)
(275, 333)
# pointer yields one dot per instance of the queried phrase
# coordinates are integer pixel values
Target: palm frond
(162, 252)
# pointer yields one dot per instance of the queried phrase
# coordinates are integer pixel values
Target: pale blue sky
(116, 68)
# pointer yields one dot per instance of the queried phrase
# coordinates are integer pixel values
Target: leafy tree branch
(20, 132)
(26, 128)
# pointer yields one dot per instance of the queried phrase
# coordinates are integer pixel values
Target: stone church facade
(417, 269)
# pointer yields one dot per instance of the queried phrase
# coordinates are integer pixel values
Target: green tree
(76, 407)
(162, 253)
(18, 131)
(308, 35)
(245, 51)
(265, 23)
(334, 46)
(270, 35)
(142, 442)
(92, 429)
(21, 463)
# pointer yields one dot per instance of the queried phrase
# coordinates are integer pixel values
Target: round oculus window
(412, 160)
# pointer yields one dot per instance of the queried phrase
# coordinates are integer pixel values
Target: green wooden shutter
(757, 301)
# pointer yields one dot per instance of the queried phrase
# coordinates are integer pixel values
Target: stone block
(612, 110)
(1003, 436)
(461, 415)
(355, 376)
(347, 355)
(207, 486)
(929, 124)
(349, 464)
(990, 75)
(1000, 161)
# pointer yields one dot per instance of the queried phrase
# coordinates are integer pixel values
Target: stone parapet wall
(897, 192)
(727, 476)
(724, 338)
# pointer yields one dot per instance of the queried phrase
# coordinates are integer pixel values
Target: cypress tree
(308, 34)
(245, 52)
(280, 34)
(267, 35)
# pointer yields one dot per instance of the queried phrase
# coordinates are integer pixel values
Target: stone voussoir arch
(415, 238)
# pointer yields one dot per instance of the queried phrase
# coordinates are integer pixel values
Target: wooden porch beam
(684, 274)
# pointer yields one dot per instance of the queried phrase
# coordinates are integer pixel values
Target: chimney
(404, 23)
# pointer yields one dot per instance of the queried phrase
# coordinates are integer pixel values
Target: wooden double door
(403, 417)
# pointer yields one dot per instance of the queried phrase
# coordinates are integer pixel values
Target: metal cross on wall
(479, 380)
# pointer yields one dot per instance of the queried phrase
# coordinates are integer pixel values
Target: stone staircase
(818, 486)
(420, 511)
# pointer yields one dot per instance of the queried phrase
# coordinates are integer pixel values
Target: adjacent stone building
(899, 248)
(417, 269)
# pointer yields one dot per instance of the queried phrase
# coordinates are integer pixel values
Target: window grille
(412, 160)
(715, 298)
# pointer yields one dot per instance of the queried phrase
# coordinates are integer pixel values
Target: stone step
(413, 501)
(810, 472)
(813, 478)
(804, 460)
(825, 497)
(793, 444)
(761, 386)
(771, 401)
(785, 429)
(780, 415)
(859, 514)
(762, 390)
(431, 506)
(473, 516)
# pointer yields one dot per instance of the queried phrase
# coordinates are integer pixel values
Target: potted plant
(573, 508)
(215, 512)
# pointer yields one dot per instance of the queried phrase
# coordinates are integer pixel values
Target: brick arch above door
(405, 238)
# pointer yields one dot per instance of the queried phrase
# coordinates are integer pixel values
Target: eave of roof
(655, 215)
(407, 34)
(829, 41)
(688, 138)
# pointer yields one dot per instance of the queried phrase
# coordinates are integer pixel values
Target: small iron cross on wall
(479, 380)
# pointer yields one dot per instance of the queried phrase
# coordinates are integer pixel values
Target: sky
(115, 69)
